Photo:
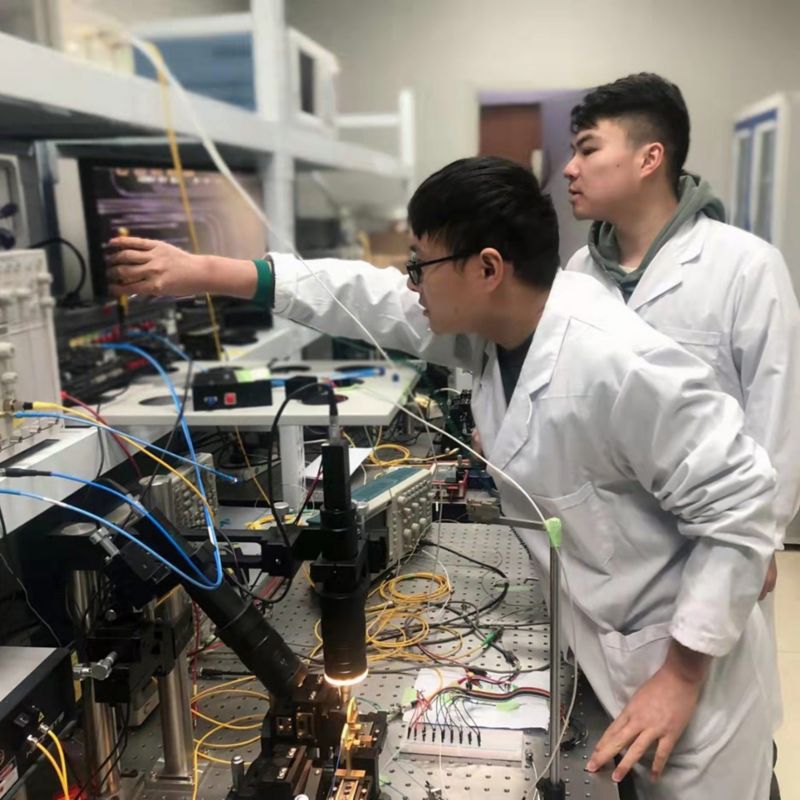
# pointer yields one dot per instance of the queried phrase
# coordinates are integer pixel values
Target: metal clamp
(98, 671)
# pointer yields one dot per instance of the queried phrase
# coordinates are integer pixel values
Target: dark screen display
(145, 201)
(307, 89)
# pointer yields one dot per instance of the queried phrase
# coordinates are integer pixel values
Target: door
(512, 131)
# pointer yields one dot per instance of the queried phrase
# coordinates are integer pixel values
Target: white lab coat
(666, 504)
(727, 297)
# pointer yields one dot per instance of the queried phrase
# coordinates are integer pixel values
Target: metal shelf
(45, 94)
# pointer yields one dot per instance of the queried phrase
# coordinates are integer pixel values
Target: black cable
(186, 386)
(81, 261)
(118, 749)
(490, 567)
(249, 590)
(10, 558)
(8, 566)
(121, 744)
(496, 601)
(265, 601)
(448, 623)
(522, 542)
(237, 567)
(270, 483)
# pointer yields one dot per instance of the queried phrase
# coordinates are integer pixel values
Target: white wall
(723, 53)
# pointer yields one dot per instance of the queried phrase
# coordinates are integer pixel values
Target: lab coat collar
(514, 429)
(666, 270)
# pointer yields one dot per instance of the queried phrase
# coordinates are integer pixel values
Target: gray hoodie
(694, 196)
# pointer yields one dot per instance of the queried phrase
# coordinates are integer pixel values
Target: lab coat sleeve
(378, 298)
(766, 351)
(684, 442)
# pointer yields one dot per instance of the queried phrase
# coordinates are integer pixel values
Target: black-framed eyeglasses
(414, 266)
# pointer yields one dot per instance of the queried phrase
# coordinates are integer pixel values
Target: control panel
(179, 504)
(409, 511)
(28, 360)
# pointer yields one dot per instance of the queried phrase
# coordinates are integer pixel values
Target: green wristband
(265, 285)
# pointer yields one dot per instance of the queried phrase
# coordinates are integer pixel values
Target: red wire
(271, 587)
(120, 442)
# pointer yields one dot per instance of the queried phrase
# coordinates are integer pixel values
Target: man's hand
(144, 266)
(771, 579)
(657, 714)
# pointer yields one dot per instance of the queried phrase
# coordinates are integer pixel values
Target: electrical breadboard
(28, 360)
(173, 498)
(453, 741)
(402, 499)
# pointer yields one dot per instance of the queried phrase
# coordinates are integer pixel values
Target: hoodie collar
(695, 197)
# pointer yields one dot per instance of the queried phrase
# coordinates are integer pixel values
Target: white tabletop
(369, 403)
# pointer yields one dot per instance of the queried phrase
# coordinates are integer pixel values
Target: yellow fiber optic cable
(61, 757)
(187, 208)
(62, 779)
(201, 741)
(44, 406)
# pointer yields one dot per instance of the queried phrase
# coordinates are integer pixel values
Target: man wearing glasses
(605, 423)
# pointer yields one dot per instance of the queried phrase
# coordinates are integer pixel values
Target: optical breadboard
(28, 360)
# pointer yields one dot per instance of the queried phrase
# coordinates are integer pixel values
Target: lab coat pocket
(588, 536)
(634, 658)
(703, 344)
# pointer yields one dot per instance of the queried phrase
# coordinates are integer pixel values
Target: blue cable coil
(130, 348)
(105, 523)
(141, 509)
(101, 426)
(163, 340)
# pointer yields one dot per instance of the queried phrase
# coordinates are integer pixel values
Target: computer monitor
(145, 201)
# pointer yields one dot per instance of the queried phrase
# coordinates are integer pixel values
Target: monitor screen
(145, 201)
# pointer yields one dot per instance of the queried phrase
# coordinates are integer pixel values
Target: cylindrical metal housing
(174, 698)
(98, 718)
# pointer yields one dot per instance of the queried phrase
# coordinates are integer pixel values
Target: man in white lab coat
(604, 422)
(659, 242)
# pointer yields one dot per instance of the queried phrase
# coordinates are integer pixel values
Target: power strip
(28, 360)
(426, 739)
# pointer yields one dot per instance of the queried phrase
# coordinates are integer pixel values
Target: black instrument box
(229, 387)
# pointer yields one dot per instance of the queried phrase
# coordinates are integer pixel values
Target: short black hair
(653, 105)
(490, 202)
